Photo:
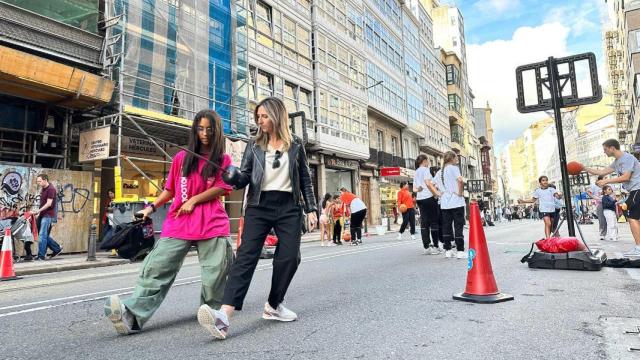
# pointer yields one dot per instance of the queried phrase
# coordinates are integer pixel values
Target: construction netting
(82, 14)
(179, 57)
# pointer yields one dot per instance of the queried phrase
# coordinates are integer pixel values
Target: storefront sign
(94, 144)
(139, 146)
(340, 163)
(390, 171)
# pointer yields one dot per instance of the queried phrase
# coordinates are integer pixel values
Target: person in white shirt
(450, 183)
(595, 192)
(427, 198)
(545, 196)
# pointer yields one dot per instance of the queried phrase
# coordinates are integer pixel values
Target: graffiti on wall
(17, 194)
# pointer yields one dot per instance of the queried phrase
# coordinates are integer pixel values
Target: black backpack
(131, 240)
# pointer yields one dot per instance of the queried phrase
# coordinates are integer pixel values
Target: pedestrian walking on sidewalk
(450, 182)
(275, 168)
(627, 167)
(196, 218)
(47, 216)
(409, 214)
(357, 211)
(595, 193)
(609, 212)
(427, 198)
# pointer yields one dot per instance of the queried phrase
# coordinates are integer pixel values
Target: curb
(103, 263)
(80, 266)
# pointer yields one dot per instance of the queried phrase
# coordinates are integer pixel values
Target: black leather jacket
(252, 172)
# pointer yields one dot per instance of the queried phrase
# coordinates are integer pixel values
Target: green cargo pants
(161, 266)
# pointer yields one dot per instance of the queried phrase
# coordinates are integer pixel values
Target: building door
(365, 195)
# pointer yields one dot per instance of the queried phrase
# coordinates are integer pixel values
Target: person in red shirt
(338, 213)
(409, 216)
(46, 214)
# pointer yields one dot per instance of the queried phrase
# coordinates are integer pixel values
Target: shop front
(390, 179)
(340, 173)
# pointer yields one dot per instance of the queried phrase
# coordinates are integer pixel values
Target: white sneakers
(634, 252)
(450, 254)
(413, 237)
(123, 321)
(280, 314)
(432, 250)
(399, 237)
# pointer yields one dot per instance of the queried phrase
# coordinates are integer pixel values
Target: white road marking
(180, 282)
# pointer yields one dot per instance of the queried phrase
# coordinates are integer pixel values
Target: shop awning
(36, 78)
(398, 173)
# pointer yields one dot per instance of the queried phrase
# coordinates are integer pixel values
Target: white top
(546, 199)
(596, 192)
(420, 179)
(628, 163)
(447, 183)
(356, 205)
(276, 179)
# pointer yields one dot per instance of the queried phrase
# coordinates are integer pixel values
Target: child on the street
(545, 195)
(609, 210)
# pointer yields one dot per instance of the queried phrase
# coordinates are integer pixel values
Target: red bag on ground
(560, 245)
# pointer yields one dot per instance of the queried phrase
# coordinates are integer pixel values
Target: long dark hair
(216, 151)
(420, 159)
(327, 197)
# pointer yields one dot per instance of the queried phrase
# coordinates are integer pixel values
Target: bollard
(91, 251)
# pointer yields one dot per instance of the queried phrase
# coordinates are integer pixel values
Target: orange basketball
(346, 237)
(574, 168)
(403, 208)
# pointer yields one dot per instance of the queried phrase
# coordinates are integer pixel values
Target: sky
(503, 34)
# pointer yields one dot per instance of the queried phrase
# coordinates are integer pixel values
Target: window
(265, 85)
(289, 33)
(305, 102)
(394, 146)
(263, 17)
(304, 42)
(454, 103)
(380, 139)
(290, 97)
(453, 75)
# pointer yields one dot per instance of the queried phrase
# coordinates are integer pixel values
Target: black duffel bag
(131, 240)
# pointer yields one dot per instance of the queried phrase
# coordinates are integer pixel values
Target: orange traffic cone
(6, 258)
(481, 285)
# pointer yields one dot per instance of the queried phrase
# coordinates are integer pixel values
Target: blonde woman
(451, 184)
(275, 168)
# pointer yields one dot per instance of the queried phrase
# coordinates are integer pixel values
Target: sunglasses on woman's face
(276, 160)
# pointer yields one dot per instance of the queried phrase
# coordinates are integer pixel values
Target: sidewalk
(66, 262)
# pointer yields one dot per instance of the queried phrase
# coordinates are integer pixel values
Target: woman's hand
(186, 208)
(313, 219)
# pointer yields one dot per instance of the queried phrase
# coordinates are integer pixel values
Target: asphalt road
(382, 300)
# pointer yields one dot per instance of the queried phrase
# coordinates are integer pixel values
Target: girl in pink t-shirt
(196, 217)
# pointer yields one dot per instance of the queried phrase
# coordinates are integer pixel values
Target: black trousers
(452, 227)
(409, 218)
(356, 224)
(277, 210)
(429, 221)
(337, 232)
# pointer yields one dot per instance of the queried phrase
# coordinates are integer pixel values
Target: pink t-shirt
(208, 220)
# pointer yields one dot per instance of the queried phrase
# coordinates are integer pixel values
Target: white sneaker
(280, 314)
(215, 321)
(413, 237)
(448, 254)
(432, 251)
(399, 237)
(635, 252)
(426, 251)
(461, 255)
(123, 321)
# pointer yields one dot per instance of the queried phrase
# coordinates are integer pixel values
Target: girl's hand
(146, 212)
(186, 208)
